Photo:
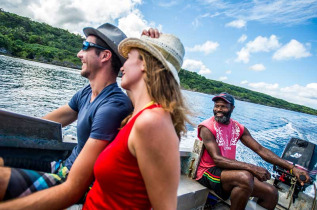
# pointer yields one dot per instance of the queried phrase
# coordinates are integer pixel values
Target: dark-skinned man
(219, 171)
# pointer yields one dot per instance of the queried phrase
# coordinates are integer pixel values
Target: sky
(263, 45)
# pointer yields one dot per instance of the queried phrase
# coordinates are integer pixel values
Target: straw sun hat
(168, 49)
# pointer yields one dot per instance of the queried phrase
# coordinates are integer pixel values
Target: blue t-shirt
(99, 119)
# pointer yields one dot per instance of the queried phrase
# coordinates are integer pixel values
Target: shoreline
(73, 66)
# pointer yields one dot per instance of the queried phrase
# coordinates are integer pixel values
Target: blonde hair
(164, 90)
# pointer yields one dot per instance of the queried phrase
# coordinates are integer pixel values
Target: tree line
(24, 38)
(195, 82)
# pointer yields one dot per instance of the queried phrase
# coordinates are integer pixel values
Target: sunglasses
(86, 45)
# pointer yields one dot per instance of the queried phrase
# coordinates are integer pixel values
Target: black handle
(302, 177)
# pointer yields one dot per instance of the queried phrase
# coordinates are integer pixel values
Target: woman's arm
(69, 192)
(153, 141)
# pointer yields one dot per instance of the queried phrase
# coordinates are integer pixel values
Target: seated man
(219, 171)
(99, 108)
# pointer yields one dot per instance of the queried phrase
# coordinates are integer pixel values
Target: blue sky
(266, 46)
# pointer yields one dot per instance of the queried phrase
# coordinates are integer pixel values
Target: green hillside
(24, 38)
(196, 82)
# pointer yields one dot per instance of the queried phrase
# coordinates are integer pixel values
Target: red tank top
(118, 180)
(226, 137)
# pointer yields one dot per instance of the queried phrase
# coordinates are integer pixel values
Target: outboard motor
(302, 154)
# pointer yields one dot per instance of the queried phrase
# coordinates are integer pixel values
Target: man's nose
(219, 109)
(79, 54)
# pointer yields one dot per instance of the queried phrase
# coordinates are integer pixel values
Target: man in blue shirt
(98, 108)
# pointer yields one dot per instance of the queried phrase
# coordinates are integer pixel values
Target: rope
(291, 191)
(314, 202)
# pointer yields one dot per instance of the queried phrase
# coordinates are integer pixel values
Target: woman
(140, 168)
(147, 146)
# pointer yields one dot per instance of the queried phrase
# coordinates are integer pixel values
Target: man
(219, 171)
(99, 108)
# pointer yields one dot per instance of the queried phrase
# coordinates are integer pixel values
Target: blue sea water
(35, 89)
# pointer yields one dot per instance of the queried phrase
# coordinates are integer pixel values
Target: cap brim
(219, 97)
(127, 44)
(92, 31)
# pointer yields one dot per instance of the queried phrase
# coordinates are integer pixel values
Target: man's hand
(298, 172)
(261, 173)
(152, 32)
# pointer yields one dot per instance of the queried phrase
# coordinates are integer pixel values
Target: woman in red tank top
(140, 169)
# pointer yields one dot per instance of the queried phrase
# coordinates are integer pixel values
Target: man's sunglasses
(86, 45)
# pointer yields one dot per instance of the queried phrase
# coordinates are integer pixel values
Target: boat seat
(251, 205)
(31, 143)
(191, 194)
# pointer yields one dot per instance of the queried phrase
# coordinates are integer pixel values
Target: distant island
(21, 37)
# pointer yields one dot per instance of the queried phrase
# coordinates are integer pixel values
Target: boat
(33, 143)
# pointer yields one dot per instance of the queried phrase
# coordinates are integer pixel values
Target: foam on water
(187, 141)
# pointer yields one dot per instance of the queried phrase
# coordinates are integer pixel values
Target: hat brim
(92, 31)
(127, 44)
(219, 97)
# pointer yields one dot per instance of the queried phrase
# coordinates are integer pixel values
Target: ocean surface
(34, 89)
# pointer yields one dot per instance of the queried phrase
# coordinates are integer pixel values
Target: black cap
(224, 96)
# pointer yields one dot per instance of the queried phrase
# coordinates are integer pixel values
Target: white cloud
(73, 15)
(167, 3)
(242, 38)
(293, 49)
(237, 24)
(228, 72)
(207, 47)
(223, 78)
(244, 82)
(303, 95)
(133, 24)
(266, 11)
(196, 21)
(264, 86)
(312, 86)
(243, 55)
(196, 66)
(259, 44)
(309, 91)
(257, 67)
(263, 44)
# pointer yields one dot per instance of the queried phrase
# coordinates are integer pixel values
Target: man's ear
(105, 55)
(232, 107)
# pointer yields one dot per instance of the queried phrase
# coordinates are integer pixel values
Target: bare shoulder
(205, 133)
(155, 127)
(153, 118)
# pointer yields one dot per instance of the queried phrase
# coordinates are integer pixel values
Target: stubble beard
(223, 119)
(85, 73)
